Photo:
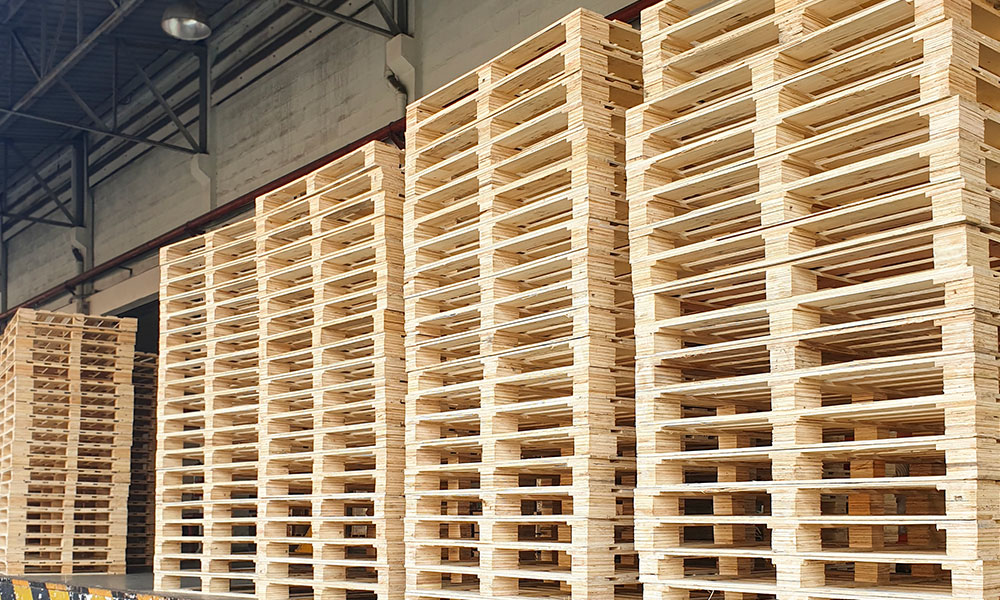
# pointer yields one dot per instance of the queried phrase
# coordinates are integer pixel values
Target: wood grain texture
(208, 414)
(280, 456)
(520, 412)
(65, 441)
(330, 273)
(814, 255)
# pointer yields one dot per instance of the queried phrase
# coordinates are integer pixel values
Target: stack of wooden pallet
(207, 414)
(520, 411)
(141, 500)
(812, 188)
(65, 437)
(329, 264)
(293, 488)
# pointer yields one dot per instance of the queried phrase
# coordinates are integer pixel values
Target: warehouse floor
(133, 584)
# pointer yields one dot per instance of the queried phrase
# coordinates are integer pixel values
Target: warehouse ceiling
(63, 59)
(105, 70)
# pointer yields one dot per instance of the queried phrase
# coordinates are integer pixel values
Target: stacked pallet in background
(520, 411)
(207, 414)
(812, 186)
(141, 500)
(330, 262)
(65, 437)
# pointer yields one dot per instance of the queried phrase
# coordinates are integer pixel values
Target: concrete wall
(39, 259)
(328, 95)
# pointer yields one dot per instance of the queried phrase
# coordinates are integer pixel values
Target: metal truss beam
(106, 132)
(17, 41)
(17, 217)
(403, 16)
(36, 60)
(326, 12)
(80, 180)
(166, 107)
(43, 183)
(49, 60)
(387, 17)
(50, 78)
(13, 7)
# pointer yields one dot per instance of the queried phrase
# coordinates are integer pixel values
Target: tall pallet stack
(141, 491)
(207, 414)
(520, 412)
(330, 262)
(813, 206)
(65, 436)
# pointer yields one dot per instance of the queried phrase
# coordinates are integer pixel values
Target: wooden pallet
(685, 40)
(814, 264)
(207, 415)
(520, 415)
(65, 437)
(141, 494)
(329, 265)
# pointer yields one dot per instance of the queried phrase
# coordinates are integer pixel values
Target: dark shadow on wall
(148, 332)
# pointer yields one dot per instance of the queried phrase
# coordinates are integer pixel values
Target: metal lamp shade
(185, 20)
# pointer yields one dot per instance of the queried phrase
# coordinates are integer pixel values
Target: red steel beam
(631, 12)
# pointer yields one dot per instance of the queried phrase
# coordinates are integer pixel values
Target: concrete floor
(134, 582)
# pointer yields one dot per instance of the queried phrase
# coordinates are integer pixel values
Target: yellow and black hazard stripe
(21, 589)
